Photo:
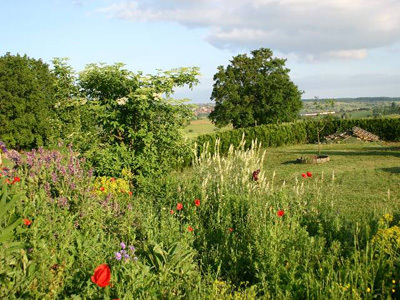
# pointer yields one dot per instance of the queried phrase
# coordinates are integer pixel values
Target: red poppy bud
(130, 193)
(231, 229)
(255, 174)
(171, 212)
(112, 179)
(102, 275)
(197, 202)
(309, 174)
(280, 213)
(304, 175)
(179, 206)
(190, 228)
(102, 188)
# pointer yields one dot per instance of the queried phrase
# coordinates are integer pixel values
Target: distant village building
(318, 113)
(203, 110)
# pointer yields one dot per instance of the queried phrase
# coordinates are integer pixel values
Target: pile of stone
(355, 132)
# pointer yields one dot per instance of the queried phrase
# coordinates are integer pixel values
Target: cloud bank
(311, 29)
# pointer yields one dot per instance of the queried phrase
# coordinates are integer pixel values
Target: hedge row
(300, 132)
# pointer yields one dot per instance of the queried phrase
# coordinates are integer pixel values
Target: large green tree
(254, 90)
(26, 101)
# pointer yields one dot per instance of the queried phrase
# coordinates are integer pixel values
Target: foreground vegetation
(219, 230)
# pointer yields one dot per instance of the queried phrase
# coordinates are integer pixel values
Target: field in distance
(201, 126)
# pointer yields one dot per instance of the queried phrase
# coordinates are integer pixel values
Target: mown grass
(367, 175)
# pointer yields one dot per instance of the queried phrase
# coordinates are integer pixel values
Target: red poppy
(27, 222)
(179, 206)
(231, 229)
(171, 212)
(102, 275)
(16, 179)
(309, 174)
(1, 174)
(197, 202)
(280, 213)
(112, 179)
(304, 175)
(102, 188)
(8, 181)
(130, 193)
(190, 228)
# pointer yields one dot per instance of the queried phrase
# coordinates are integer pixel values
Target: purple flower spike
(123, 246)
(118, 256)
(3, 147)
(127, 256)
(132, 248)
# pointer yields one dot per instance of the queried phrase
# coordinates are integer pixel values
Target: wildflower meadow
(225, 228)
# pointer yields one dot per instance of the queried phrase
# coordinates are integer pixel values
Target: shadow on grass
(355, 152)
(291, 162)
(394, 170)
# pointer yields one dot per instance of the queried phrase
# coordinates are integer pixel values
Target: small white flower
(157, 96)
(122, 101)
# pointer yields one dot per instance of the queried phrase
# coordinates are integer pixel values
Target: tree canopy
(254, 90)
(140, 120)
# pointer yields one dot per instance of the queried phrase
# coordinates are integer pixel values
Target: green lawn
(367, 175)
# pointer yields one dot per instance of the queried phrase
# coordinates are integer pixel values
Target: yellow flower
(393, 281)
(368, 290)
(393, 290)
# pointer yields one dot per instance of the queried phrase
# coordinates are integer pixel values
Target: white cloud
(315, 29)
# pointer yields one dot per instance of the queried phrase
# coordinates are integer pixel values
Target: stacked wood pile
(355, 132)
(364, 135)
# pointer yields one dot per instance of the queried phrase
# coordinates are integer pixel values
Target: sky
(334, 48)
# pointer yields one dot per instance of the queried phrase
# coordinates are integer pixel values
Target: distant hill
(360, 99)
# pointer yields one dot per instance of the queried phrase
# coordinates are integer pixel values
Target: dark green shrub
(26, 101)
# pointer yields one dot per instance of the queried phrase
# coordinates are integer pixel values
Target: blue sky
(335, 48)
